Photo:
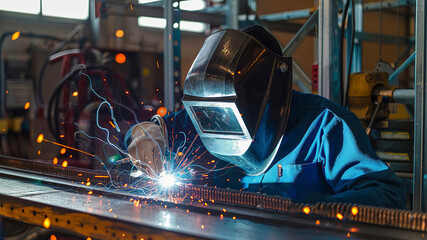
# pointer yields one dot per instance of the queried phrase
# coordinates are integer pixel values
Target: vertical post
(420, 133)
(357, 53)
(232, 20)
(172, 53)
(329, 75)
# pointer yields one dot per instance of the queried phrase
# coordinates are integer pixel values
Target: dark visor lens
(216, 120)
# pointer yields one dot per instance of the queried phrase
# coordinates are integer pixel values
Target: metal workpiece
(186, 211)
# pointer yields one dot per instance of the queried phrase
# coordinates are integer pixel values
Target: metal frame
(172, 53)
(328, 49)
(420, 133)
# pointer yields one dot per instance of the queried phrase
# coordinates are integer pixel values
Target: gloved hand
(148, 146)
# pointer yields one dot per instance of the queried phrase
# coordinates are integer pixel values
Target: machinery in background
(370, 97)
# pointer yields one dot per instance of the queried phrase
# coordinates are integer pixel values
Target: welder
(239, 100)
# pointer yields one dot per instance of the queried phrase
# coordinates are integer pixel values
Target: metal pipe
(392, 94)
(405, 96)
(394, 77)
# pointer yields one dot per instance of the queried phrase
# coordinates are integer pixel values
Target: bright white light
(74, 9)
(152, 22)
(189, 26)
(166, 180)
(160, 23)
(192, 5)
(22, 6)
(188, 5)
(146, 1)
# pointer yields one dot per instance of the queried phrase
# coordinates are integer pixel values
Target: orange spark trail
(112, 124)
(65, 146)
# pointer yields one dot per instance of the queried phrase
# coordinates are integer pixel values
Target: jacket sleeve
(353, 170)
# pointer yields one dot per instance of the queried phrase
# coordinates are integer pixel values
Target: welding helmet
(237, 94)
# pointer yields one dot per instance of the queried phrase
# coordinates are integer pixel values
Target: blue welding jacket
(325, 155)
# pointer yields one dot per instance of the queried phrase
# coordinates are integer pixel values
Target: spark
(65, 146)
(75, 94)
(317, 222)
(63, 151)
(40, 138)
(64, 164)
(53, 237)
(354, 211)
(306, 210)
(16, 35)
(340, 216)
(46, 223)
(100, 176)
(55, 161)
(120, 33)
(90, 193)
(27, 105)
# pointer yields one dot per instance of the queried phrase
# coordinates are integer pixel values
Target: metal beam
(290, 15)
(300, 78)
(389, 39)
(112, 8)
(420, 131)
(387, 4)
(172, 48)
(308, 27)
(357, 51)
(393, 79)
(328, 48)
(233, 13)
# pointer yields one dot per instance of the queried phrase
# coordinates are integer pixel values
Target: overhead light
(21, 6)
(160, 23)
(188, 5)
(152, 22)
(74, 9)
(189, 26)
